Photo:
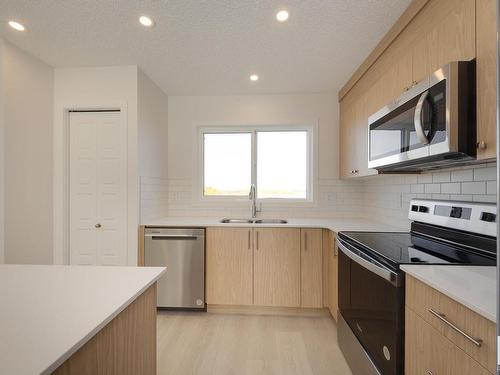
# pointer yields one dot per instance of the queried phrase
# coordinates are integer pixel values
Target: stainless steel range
(371, 284)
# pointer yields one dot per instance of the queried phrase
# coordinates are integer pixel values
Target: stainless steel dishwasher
(182, 251)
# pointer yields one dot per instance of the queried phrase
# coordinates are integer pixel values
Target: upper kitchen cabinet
(442, 32)
(429, 35)
(486, 78)
(354, 112)
(395, 77)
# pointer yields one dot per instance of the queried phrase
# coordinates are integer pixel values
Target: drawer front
(428, 352)
(443, 313)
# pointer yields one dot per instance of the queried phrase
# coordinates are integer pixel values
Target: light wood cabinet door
(423, 299)
(348, 145)
(311, 264)
(444, 31)
(277, 267)
(333, 272)
(396, 77)
(229, 266)
(429, 352)
(354, 137)
(486, 78)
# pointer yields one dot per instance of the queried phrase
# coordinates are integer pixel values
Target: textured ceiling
(208, 46)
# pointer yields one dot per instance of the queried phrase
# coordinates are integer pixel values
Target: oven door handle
(386, 274)
(419, 126)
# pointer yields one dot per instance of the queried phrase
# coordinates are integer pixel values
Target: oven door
(371, 302)
(413, 126)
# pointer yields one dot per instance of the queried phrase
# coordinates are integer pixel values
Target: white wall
(153, 139)
(91, 88)
(28, 118)
(2, 127)
(186, 114)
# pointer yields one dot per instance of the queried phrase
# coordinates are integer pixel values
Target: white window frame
(253, 129)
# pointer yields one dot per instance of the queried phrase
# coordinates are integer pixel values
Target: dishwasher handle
(172, 236)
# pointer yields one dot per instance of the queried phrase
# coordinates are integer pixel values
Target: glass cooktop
(397, 248)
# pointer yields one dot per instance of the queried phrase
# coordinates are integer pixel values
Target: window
(228, 159)
(277, 161)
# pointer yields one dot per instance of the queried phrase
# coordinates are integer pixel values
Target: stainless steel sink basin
(236, 221)
(270, 221)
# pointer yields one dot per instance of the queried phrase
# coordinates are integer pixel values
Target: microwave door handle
(419, 127)
(390, 276)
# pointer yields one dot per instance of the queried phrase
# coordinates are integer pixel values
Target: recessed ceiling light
(16, 26)
(146, 21)
(254, 77)
(282, 15)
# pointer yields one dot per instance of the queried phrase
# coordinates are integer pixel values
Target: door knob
(98, 225)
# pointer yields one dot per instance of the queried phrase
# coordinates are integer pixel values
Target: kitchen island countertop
(48, 312)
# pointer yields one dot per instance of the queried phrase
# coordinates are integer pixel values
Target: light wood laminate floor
(223, 344)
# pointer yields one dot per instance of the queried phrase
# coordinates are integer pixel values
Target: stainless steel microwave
(432, 125)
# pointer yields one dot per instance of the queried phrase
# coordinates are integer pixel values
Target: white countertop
(336, 225)
(48, 312)
(473, 287)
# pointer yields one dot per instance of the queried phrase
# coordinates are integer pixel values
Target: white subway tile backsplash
(461, 197)
(425, 178)
(478, 187)
(411, 179)
(491, 187)
(485, 174)
(432, 188)
(419, 188)
(462, 175)
(441, 177)
(451, 188)
(384, 197)
(445, 197)
(484, 198)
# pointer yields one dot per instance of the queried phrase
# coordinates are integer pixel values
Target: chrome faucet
(253, 197)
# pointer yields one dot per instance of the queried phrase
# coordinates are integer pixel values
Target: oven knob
(387, 353)
(199, 302)
(488, 217)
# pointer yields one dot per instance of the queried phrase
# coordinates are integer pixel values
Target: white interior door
(98, 186)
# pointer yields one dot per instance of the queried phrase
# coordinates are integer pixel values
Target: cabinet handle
(481, 145)
(429, 372)
(249, 244)
(305, 241)
(98, 225)
(442, 317)
(257, 240)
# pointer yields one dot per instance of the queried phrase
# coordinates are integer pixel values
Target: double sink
(253, 221)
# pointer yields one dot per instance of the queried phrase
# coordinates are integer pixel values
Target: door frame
(61, 229)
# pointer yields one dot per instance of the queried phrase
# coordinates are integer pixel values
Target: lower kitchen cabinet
(277, 267)
(333, 272)
(280, 267)
(435, 334)
(311, 264)
(229, 266)
(427, 351)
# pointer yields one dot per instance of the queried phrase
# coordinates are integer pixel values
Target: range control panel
(472, 217)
